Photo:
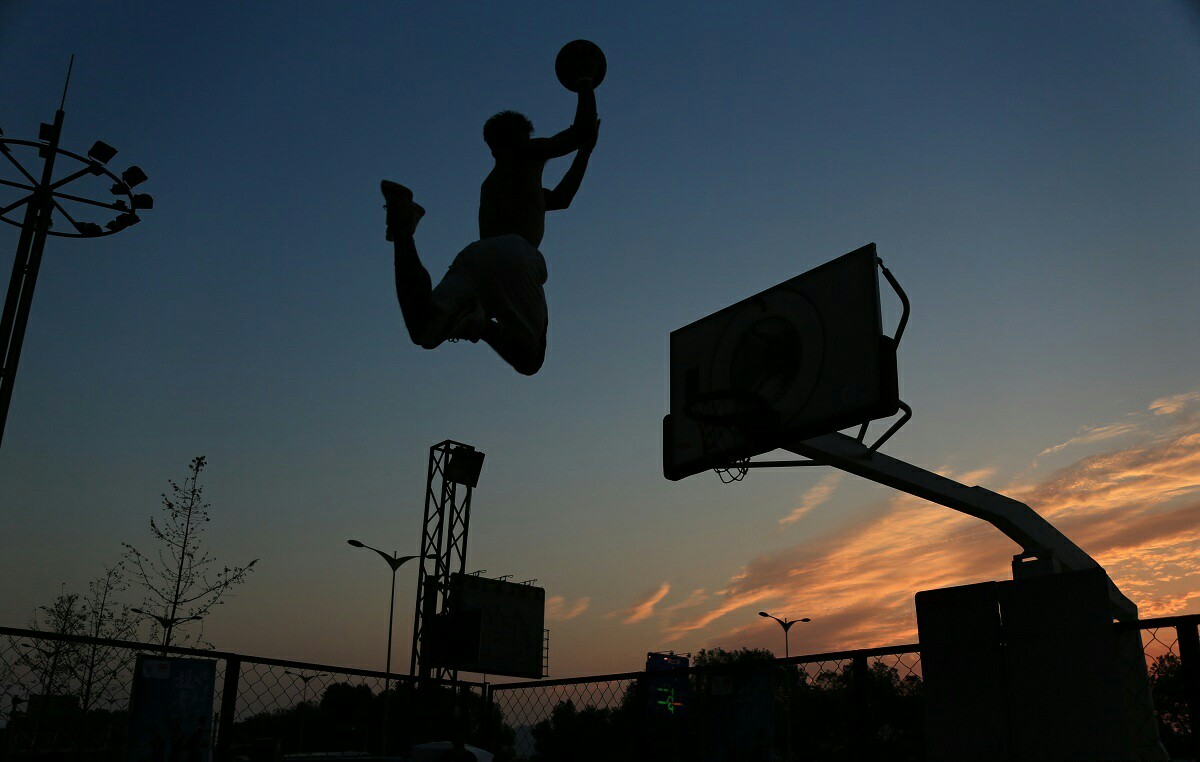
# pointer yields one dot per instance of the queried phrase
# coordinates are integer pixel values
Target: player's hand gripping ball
(580, 60)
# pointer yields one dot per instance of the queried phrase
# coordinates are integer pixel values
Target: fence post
(485, 722)
(1189, 665)
(858, 695)
(229, 692)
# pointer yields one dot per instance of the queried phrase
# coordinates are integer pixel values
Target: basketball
(579, 59)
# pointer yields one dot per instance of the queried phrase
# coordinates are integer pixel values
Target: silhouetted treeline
(350, 718)
(740, 713)
(718, 712)
(827, 722)
(56, 728)
(1170, 703)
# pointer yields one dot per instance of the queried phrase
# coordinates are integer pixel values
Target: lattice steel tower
(453, 473)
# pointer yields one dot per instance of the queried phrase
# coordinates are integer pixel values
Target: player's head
(506, 130)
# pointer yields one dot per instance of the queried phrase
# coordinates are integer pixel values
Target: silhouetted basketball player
(493, 289)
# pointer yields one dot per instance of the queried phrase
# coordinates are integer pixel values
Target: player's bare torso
(511, 200)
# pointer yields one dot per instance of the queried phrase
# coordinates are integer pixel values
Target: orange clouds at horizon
(1135, 509)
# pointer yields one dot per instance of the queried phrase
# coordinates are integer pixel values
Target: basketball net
(722, 419)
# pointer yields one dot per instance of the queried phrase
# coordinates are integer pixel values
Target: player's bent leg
(458, 311)
(523, 352)
(414, 290)
(511, 275)
(414, 287)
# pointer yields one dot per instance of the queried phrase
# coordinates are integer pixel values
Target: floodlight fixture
(46, 132)
(143, 201)
(102, 152)
(128, 218)
(119, 189)
(88, 228)
(464, 466)
(134, 176)
(355, 543)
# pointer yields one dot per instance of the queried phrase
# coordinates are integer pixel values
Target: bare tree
(105, 618)
(180, 579)
(54, 661)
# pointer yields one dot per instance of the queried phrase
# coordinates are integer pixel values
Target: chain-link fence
(846, 705)
(841, 705)
(68, 697)
(1171, 646)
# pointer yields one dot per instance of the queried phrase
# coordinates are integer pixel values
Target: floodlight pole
(42, 197)
(443, 545)
(25, 271)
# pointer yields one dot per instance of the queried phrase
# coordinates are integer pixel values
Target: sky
(1030, 172)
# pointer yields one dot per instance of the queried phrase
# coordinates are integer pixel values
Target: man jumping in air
(493, 289)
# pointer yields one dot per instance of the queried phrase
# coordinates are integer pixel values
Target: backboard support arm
(1044, 549)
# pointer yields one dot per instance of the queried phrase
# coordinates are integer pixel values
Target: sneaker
(402, 214)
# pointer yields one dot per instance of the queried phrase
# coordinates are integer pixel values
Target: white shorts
(505, 274)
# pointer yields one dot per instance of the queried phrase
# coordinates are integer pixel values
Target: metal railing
(860, 704)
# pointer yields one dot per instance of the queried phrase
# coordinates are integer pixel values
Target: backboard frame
(834, 305)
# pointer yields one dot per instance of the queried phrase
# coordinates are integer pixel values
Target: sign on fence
(171, 710)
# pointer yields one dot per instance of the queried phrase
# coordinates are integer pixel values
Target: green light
(669, 701)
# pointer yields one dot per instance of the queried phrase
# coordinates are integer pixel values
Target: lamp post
(786, 624)
(394, 562)
(303, 699)
(13, 702)
(167, 623)
(42, 196)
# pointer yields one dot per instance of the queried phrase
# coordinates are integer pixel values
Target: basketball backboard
(803, 358)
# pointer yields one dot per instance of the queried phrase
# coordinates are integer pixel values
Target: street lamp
(394, 562)
(786, 624)
(305, 679)
(13, 702)
(167, 623)
(303, 698)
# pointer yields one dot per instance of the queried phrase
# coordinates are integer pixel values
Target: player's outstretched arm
(564, 192)
(572, 138)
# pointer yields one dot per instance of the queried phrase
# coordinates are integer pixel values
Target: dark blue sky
(1027, 169)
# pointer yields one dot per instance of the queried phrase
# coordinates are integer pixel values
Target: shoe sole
(395, 193)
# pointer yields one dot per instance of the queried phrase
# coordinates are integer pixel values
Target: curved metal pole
(1037, 537)
(394, 563)
(387, 680)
